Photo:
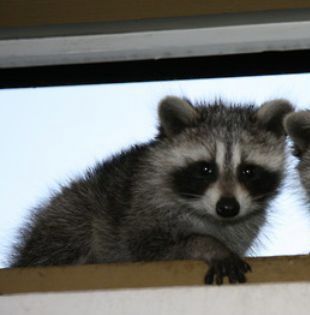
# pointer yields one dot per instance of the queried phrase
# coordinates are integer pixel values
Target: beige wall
(277, 285)
(31, 13)
(270, 299)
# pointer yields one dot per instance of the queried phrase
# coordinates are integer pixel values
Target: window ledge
(144, 275)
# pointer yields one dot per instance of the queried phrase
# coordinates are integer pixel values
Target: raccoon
(198, 190)
(297, 126)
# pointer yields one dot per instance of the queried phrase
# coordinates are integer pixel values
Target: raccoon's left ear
(297, 125)
(175, 115)
(271, 115)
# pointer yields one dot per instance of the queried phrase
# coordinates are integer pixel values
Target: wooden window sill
(144, 275)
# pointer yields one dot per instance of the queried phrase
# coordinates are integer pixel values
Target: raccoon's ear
(176, 114)
(271, 115)
(297, 125)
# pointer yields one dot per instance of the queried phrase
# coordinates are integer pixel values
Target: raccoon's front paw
(232, 267)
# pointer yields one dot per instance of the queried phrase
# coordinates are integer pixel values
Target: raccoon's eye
(296, 151)
(258, 180)
(207, 169)
(249, 171)
(193, 180)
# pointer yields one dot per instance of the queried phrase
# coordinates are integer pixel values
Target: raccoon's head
(223, 162)
(297, 125)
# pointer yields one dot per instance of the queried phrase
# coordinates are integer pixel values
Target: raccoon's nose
(227, 207)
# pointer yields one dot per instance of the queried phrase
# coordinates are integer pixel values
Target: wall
(256, 299)
(32, 13)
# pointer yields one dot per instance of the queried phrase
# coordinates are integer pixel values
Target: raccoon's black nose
(227, 207)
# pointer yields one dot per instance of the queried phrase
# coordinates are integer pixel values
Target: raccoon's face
(297, 126)
(223, 162)
(229, 180)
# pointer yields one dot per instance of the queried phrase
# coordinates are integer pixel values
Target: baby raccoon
(297, 126)
(199, 190)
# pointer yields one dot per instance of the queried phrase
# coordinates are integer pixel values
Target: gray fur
(297, 126)
(273, 112)
(124, 209)
(175, 114)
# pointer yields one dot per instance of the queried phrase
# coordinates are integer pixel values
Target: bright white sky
(49, 135)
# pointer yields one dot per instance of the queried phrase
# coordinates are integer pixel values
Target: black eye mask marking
(193, 180)
(259, 181)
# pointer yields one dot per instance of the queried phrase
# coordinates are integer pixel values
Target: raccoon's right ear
(175, 115)
(297, 125)
(271, 115)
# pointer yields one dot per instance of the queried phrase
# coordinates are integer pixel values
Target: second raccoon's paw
(232, 267)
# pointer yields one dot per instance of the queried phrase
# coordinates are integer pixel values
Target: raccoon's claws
(233, 267)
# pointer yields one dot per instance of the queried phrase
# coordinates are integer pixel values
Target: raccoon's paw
(232, 267)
